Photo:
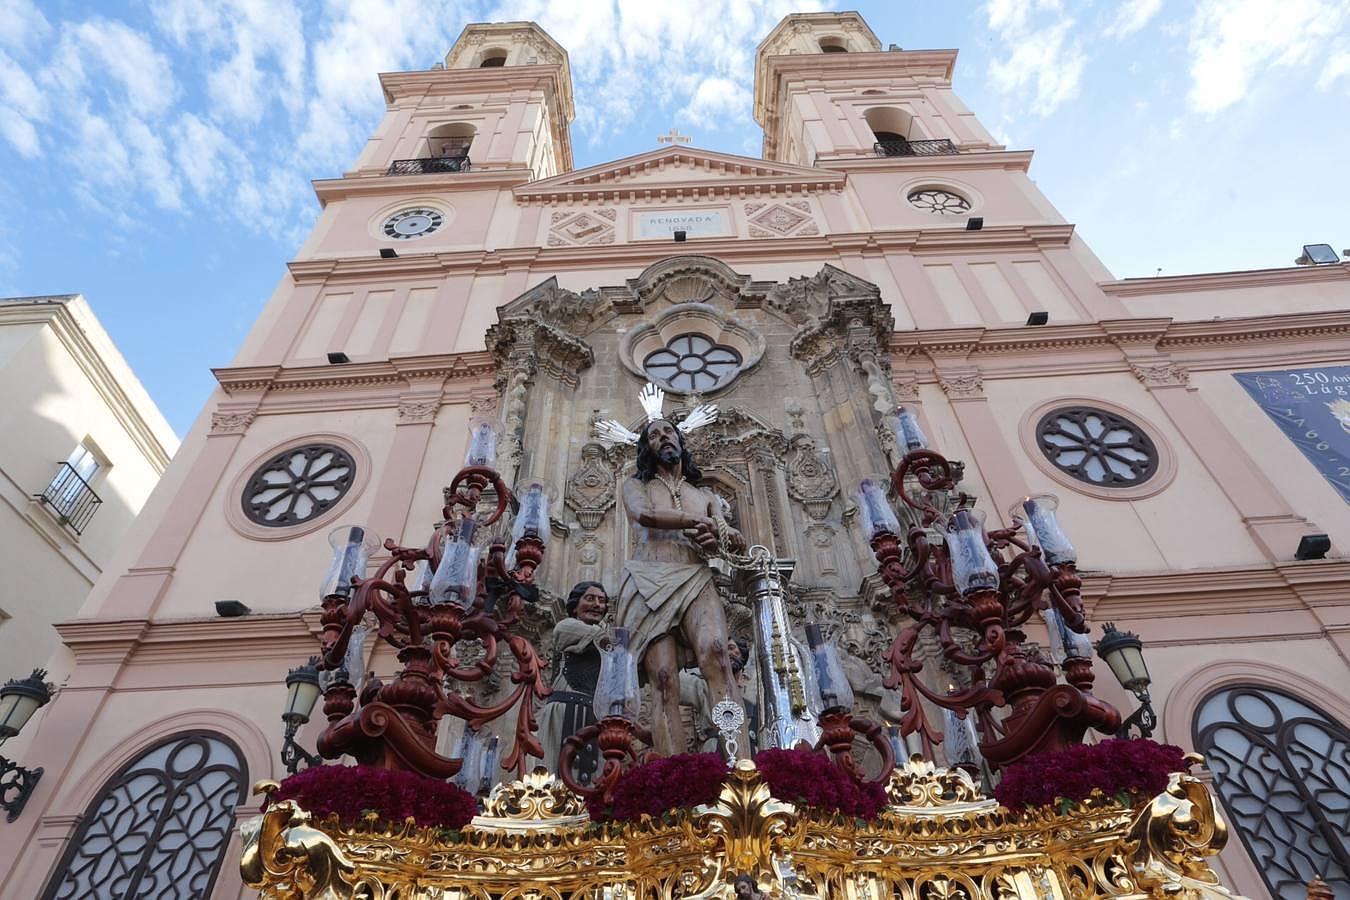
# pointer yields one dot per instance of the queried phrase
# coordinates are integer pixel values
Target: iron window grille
(159, 827)
(70, 498)
(1282, 770)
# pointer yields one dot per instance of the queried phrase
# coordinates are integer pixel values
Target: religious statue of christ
(667, 598)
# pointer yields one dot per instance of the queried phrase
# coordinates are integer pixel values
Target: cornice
(824, 181)
(505, 177)
(1014, 160)
(101, 640)
(1160, 333)
(384, 373)
(1219, 592)
(71, 334)
(1175, 284)
(433, 82)
(644, 253)
(928, 66)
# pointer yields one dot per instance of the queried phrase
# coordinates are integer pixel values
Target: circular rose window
(939, 202)
(298, 484)
(692, 362)
(1097, 447)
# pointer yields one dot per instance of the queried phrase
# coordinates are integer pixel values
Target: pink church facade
(873, 171)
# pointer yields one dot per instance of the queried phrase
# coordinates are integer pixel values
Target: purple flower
(1139, 767)
(349, 791)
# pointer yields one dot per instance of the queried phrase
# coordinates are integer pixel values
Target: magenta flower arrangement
(666, 783)
(349, 792)
(812, 780)
(1117, 768)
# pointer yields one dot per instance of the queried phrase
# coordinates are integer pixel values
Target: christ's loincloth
(653, 599)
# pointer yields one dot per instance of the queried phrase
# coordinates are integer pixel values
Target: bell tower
(825, 89)
(501, 100)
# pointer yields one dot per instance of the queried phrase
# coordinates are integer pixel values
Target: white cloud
(1337, 67)
(119, 58)
(1132, 16)
(22, 106)
(1045, 62)
(716, 99)
(1235, 41)
(630, 54)
(21, 24)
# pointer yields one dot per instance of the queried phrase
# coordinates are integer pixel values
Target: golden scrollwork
(1172, 836)
(938, 840)
(284, 856)
(921, 783)
(538, 796)
(751, 825)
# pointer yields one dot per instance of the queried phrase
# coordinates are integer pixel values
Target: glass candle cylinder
(532, 520)
(908, 435)
(352, 546)
(877, 515)
(831, 683)
(616, 688)
(973, 568)
(482, 444)
(959, 740)
(456, 578)
(1042, 527)
(1054, 625)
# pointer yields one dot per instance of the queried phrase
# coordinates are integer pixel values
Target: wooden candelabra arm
(615, 735)
(837, 729)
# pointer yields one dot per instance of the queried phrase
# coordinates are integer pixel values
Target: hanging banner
(1312, 407)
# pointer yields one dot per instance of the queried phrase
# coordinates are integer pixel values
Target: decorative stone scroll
(590, 490)
(1161, 374)
(232, 422)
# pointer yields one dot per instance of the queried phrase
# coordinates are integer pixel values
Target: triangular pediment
(678, 165)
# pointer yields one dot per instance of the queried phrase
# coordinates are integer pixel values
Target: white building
(83, 447)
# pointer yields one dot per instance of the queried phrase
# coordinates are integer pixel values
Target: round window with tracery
(939, 202)
(1097, 447)
(692, 362)
(298, 484)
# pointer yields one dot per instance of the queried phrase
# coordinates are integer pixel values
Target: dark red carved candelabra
(394, 725)
(975, 590)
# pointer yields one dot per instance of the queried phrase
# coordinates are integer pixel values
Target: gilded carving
(285, 856)
(538, 797)
(1173, 835)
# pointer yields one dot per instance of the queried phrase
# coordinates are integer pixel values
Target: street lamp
(1123, 651)
(18, 701)
(302, 692)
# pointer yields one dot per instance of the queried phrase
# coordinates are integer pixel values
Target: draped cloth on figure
(654, 597)
(576, 662)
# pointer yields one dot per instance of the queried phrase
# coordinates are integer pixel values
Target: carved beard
(669, 455)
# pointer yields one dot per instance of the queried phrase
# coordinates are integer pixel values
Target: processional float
(937, 837)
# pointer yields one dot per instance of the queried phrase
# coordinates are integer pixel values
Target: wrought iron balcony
(938, 147)
(71, 499)
(429, 165)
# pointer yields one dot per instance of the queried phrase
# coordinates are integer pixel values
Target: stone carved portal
(796, 431)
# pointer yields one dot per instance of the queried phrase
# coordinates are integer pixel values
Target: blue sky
(156, 156)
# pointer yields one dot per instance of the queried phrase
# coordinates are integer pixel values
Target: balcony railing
(429, 165)
(72, 501)
(938, 147)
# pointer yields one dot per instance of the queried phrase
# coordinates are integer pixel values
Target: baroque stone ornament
(937, 840)
(962, 385)
(590, 490)
(412, 410)
(810, 477)
(232, 422)
(1161, 374)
